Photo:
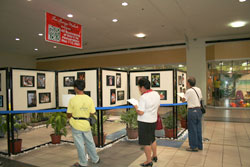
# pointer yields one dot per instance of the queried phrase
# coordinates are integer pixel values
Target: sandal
(77, 165)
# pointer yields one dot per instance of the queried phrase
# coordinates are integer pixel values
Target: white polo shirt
(192, 98)
(149, 104)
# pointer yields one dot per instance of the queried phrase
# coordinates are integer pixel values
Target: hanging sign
(62, 31)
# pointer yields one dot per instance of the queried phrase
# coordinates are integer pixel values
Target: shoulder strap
(196, 94)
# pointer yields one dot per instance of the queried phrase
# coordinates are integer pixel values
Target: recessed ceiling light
(40, 34)
(70, 15)
(237, 24)
(140, 35)
(36, 49)
(242, 0)
(17, 39)
(54, 47)
(124, 4)
(115, 20)
(180, 65)
(29, 0)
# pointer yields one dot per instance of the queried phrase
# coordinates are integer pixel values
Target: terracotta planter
(96, 139)
(132, 133)
(184, 123)
(56, 139)
(169, 133)
(17, 146)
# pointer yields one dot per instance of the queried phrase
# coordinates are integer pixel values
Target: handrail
(64, 110)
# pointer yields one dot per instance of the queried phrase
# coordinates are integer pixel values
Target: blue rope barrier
(64, 110)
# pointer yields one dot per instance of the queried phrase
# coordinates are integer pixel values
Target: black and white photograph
(155, 80)
(44, 98)
(120, 95)
(112, 96)
(110, 80)
(179, 80)
(68, 81)
(118, 80)
(138, 78)
(71, 92)
(27, 81)
(41, 80)
(1, 101)
(163, 94)
(81, 76)
(31, 98)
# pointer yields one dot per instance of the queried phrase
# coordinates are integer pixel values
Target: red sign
(61, 31)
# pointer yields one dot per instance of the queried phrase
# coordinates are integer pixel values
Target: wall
(17, 61)
(117, 60)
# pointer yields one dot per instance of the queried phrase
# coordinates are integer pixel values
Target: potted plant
(58, 122)
(94, 129)
(170, 131)
(130, 118)
(182, 111)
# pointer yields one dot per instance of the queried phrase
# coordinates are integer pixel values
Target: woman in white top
(193, 96)
(147, 109)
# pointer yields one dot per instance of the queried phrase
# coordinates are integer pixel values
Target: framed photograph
(41, 80)
(179, 80)
(71, 92)
(155, 80)
(118, 80)
(112, 96)
(138, 78)
(110, 80)
(184, 90)
(27, 81)
(31, 98)
(163, 94)
(1, 101)
(120, 95)
(87, 93)
(68, 81)
(180, 89)
(44, 98)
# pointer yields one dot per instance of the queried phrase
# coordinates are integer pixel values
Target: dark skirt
(146, 132)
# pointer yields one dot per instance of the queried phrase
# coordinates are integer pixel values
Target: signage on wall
(62, 31)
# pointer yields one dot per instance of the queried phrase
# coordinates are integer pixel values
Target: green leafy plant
(182, 111)
(58, 122)
(17, 124)
(168, 122)
(130, 117)
(94, 128)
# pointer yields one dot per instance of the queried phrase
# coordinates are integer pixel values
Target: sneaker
(98, 161)
(192, 149)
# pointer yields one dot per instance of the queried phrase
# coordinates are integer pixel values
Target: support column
(196, 64)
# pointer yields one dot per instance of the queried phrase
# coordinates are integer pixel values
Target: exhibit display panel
(33, 89)
(161, 81)
(3, 90)
(66, 82)
(114, 87)
(181, 84)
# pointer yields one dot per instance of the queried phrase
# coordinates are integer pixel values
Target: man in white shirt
(193, 96)
(147, 109)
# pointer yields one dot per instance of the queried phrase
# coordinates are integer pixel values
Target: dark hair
(79, 84)
(191, 81)
(144, 82)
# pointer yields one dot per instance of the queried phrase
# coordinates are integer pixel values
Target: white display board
(67, 78)
(33, 89)
(114, 88)
(161, 81)
(181, 83)
(3, 90)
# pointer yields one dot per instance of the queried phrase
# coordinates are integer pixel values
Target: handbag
(158, 123)
(203, 109)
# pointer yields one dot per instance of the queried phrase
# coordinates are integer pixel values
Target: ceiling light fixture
(242, 0)
(54, 47)
(140, 35)
(29, 0)
(36, 49)
(124, 4)
(115, 20)
(70, 15)
(17, 39)
(180, 65)
(237, 24)
(40, 34)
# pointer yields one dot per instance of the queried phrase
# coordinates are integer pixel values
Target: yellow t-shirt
(81, 106)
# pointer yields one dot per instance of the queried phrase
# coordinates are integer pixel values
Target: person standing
(80, 107)
(193, 96)
(147, 109)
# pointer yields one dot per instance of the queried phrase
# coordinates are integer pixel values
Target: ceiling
(163, 21)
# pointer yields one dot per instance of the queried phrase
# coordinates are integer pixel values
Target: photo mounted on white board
(31, 98)
(138, 78)
(1, 101)
(41, 80)
(87, 93)
(44, 98)
(112, 96)
(163, 94)
(110, 80)
(71, 92)
(155, 80)
(68, 81)
(27, 81)
(179, 80)
(118, 80)
(120, 95)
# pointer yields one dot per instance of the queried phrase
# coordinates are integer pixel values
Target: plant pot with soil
(182, 111)
(130, 118)
(94, 129)
(168, 123)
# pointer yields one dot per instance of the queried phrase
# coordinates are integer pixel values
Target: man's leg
(79, 143)
(192, 130)
(88, 138)
(199, 132)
